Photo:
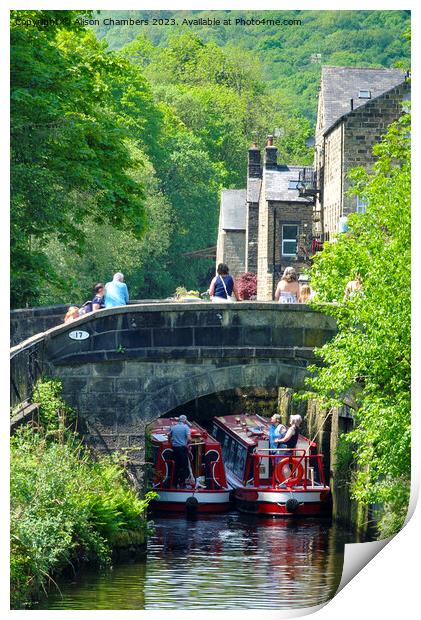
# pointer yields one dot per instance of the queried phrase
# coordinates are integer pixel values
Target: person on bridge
(222, 289)
(116, 292)
(98, 300)
(180, 438)
(72, 314)
(353, 287)
(288, 289)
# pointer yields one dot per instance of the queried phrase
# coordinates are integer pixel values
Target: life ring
(295, 466)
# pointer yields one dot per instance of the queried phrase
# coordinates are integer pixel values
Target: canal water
(229, 561)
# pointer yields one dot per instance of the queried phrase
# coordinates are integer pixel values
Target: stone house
(262, 229)
(231, 244)
(355, 107)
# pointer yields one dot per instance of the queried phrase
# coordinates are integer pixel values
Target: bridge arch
(139, 362)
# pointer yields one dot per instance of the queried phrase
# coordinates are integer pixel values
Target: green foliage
(347, 38)
(55, 416)
(69, 155)
(372, 347)
(65, 506)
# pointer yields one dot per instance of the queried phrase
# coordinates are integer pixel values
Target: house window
(361, 205)
(364, 94)
(293, 184)
(289, 239)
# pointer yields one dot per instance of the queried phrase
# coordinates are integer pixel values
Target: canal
(229, 561)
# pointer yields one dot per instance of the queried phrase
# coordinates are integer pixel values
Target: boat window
(238, 466)
(232, 453)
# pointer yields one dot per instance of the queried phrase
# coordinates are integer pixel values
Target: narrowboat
(282, 482)
(205, 488)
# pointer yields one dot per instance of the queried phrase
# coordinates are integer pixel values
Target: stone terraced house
(355, 108)
(286, 209)
(260, 228)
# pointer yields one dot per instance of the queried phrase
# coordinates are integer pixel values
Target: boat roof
(161, 427)
(250, 428)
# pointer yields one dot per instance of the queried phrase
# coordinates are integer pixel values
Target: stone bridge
(121, 368)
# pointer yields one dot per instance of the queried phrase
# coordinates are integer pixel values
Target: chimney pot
(351, 101)
(269, 141)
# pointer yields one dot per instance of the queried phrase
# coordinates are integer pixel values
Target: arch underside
(189, 388)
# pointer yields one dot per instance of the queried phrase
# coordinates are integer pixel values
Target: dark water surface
(226, 561)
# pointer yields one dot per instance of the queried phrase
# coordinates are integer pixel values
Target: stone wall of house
(264, 279)
(252, 236)
(286, 213)
(350, 144)
(231, 250)
(363, 129)
(333, 180)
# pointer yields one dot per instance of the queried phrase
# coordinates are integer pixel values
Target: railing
(26, 367)
(267, 469)
(307, 183)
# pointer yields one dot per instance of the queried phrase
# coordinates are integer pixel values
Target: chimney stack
(271, 154)
(254, 162)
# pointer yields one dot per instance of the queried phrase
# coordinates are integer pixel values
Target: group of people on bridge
(289, 291)
(110, 295)
(222, 289)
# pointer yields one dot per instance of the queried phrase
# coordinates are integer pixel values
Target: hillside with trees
(289, 56)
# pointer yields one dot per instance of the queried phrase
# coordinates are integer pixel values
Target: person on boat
(277, 430)
(222, 289)
(288, 289)
(291, 437)
(180, 438)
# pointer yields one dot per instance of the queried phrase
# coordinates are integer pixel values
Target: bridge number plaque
(79, 335)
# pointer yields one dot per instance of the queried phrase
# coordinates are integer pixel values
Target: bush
(247, 285)
(65, 506)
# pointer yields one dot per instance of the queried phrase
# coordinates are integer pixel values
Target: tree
(370, 355)
(70, 159)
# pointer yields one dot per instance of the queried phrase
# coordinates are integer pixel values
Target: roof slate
(233, 209)
(277, 181)
(341, 84)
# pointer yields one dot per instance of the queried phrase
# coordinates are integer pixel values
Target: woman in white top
(288, 289)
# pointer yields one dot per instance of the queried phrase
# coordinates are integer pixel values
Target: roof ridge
(363, 68)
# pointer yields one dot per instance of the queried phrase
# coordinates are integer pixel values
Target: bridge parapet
(136, 363)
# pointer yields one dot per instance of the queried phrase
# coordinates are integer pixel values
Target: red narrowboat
(282, 482)
(205, 488)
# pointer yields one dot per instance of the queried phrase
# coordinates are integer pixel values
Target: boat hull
(282, 503)
(182, 500)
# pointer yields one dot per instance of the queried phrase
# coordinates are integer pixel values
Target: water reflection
(228, 561)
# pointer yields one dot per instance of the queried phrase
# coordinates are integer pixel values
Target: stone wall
(286, 213)
(234, 251)
(333, 180)
(363, 129)
(349, 144)
(252, 236)
(30, 321)
(27, 322)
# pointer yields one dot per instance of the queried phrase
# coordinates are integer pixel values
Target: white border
(388, 586)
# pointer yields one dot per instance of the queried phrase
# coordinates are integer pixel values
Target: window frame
(364, 90)
(289, 239)
(361, 206)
